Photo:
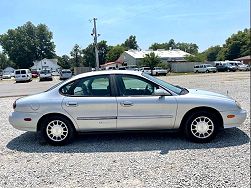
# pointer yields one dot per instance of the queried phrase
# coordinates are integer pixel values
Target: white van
(23, 75)
(204, 68)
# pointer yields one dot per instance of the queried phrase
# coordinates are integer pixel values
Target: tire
(157, 74)
(207, 71)
(206, 131)
(57, 130)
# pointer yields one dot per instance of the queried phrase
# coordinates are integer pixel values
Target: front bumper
(240, 117)
(16, 119)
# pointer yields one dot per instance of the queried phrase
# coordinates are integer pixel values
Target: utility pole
(95, 37)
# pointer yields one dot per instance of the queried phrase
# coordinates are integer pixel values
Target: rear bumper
(16, 119)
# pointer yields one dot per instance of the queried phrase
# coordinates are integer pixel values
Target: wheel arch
(39, 124)
(199, 109)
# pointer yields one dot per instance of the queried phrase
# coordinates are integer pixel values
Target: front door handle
(126, 103)
(72, 104)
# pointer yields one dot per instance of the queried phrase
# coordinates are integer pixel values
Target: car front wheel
(201, 127)
(57, 130)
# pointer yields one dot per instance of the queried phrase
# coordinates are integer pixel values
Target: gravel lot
(133, 160)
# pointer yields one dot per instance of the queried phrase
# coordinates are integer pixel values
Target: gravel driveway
(136, 159)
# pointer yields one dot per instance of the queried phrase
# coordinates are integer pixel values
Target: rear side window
(94, 86)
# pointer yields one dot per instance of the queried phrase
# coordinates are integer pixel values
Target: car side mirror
(160, 92)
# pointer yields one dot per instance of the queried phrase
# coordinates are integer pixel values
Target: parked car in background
(6, 75)
(34, 74)
(22, 75)
(204, 68)
(223, 67)
(122, 68)
(55, 73)
(45, 75)
(240, 66)
(159, 71)
(146, 70)
(124, 101)
(65, 74)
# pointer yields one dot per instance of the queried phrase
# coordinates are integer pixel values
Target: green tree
(156, 46)
(89, 56)
(5, 62)
(236, 46)
(76, 56)
(150, 60)
(115, 52)
(199, 57)
(130, 43)
(102, 51)
(188, 47)
(28, 43)
(171, 44)
(64, 62)
(45, 46)
(212, 53)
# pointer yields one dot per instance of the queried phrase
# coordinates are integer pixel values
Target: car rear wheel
(201, 127)
(57, 130)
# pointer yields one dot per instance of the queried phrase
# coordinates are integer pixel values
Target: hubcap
(57, 130)
(202, 127)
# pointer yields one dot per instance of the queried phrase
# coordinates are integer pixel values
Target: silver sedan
(124, 101)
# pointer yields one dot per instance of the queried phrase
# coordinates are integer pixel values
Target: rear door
(139, 108)
(90, 101)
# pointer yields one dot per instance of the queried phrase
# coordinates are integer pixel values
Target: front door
(90, 102)
(139, 108)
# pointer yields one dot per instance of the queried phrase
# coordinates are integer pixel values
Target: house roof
(111, 63)
(175, 53)
(248, 57)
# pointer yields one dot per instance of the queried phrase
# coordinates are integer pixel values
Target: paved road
(9, 88)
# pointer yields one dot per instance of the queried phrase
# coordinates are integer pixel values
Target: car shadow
(128, 142)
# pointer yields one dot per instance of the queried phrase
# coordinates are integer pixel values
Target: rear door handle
(72, 104)
(126, 103)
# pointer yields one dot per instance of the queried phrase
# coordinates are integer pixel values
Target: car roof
(107, 72)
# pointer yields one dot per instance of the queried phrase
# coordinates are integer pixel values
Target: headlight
(238, 104)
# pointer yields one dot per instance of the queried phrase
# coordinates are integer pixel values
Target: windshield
(178, 90)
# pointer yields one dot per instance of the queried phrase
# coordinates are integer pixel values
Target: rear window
(23, 72)
(66, 71)
(45, 71)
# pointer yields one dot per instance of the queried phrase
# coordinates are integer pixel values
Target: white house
(49, 64)
(133, 57)
(111, 65)
(8, 70)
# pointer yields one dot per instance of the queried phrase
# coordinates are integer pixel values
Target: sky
(204, 22)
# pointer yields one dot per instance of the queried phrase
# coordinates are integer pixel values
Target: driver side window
(133, 86)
